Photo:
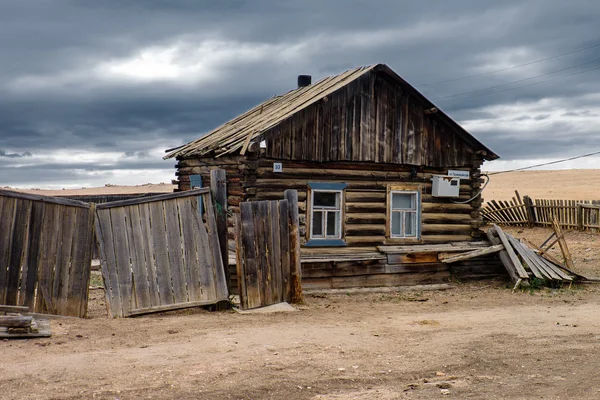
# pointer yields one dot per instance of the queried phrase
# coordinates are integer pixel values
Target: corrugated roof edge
(197, 145)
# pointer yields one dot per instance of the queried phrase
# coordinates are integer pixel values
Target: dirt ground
(476, 340)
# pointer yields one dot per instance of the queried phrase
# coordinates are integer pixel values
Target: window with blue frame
(325, 214)
(404, 213)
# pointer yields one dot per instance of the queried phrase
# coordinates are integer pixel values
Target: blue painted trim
(327, 185)
(196, 183)
(325, 243)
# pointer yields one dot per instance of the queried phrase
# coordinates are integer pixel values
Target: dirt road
(476, 341)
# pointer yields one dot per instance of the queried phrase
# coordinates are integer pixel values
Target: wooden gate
(267, 253)
(45, 253)
(160, 253)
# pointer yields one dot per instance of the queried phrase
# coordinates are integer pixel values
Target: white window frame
(324, 211)
(403, 212)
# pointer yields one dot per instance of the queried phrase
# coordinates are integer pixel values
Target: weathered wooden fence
(570, 214)
(45, 253)
(267, 253)
(160, 253)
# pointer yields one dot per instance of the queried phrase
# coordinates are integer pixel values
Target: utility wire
(509, 68)
(522, 86)
(543, 164)
(517, 81)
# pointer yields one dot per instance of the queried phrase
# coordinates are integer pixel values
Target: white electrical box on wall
(445, 186)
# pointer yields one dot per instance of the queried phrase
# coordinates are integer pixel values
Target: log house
(361, 148)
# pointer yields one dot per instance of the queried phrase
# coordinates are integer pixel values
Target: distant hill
(571, 184)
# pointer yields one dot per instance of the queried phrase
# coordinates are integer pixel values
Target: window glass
(404, 214)
(332, 223)
(317, 223)
(326, 214)
(410, 224)
(403, 200)
(326, 199)
(396, 224)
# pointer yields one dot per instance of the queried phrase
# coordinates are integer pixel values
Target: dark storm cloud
(57, 92)
(14, 155)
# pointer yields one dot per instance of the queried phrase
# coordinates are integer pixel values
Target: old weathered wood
(250, 271)
(13, 309)
(563, 245)
(506, 259)
(152, 199)
(42, 265)
(160, 255)
(433, 248)
(218, 188)
(46, 199)
(168, 307)
(473, 254)
(10, 321)
(509, 250)
(294, 239)
(368, 134)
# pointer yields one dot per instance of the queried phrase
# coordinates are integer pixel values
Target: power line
(509, 68)
(543, 164)
(520, 80)
(522, 86)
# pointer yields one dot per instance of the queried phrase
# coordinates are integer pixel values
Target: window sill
(325, 243)
(403, 240)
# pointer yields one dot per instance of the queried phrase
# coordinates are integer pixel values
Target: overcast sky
(93, 92)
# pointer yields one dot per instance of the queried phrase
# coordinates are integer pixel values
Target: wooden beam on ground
(169, 307)
(506, 260)
(17, 321)
(473, 254)
(563, 244)
(511, 253)
(14, 309)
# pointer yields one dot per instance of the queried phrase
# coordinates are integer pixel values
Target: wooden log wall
(253, 179)
(365, 202)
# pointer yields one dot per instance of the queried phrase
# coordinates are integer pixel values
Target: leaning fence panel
(160, 253)
(45, 253)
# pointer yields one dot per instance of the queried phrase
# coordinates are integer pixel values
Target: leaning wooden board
(160, 253)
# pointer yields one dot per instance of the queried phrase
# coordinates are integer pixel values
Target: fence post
(580, 217)
(529, 207)
(218, 188)
(295, 265)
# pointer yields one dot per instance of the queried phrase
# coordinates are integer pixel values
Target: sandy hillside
(111, 189)
(573, 184)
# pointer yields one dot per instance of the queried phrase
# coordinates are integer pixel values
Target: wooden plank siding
(371, 119)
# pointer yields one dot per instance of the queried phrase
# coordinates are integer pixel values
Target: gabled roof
(235, 135)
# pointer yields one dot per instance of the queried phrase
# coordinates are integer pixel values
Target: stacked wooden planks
(45, 253)
(17, 326)
(522, 262)
(160, 253)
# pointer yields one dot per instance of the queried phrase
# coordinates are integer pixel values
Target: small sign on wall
(458, 174)
(277, 167)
